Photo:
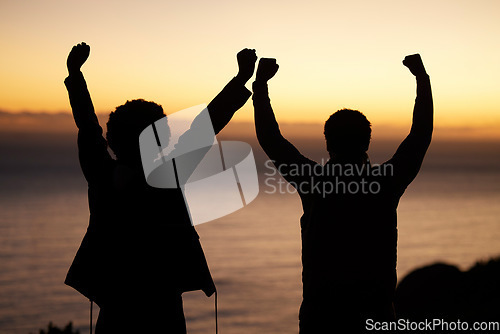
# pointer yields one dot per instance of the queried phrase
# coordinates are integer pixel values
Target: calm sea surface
(450, 213)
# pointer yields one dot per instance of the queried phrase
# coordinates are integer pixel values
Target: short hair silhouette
(126, 123)
(343, 224)
(347, 132)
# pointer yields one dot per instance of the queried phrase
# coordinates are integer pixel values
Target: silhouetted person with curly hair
(349, 225)
(140, 252)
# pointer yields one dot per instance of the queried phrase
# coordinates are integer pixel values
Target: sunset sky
(332, 54)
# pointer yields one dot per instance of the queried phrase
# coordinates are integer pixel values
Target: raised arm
(234, 95)
(411, 152)
(92, 147)
(79, 96)
(423, 111)
(277, 148)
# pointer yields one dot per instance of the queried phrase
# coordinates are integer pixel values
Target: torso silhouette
(140, 241)
(139, 238)
(349, 234)
(349, 240)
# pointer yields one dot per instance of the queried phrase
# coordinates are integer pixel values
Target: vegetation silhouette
(51, 329)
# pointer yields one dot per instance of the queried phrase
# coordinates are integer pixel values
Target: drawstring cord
(216, 320)
(91, 304)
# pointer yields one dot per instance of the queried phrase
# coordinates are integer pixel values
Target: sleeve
(92, 147)
(222, 108)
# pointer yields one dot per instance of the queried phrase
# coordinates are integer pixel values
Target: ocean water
(450, 213)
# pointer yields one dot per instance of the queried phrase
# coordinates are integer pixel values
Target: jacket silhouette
(140, 251)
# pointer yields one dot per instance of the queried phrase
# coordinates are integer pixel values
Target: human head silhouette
(347, 133)
(126, 123)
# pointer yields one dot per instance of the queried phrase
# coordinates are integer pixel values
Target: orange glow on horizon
(332, 55)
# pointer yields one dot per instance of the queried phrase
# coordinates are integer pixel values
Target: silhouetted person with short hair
(349, 225)
(140, 252)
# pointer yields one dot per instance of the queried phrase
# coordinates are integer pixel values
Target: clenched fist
(77, 57)
(415, 65)
(267, 69)
(246, 63)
